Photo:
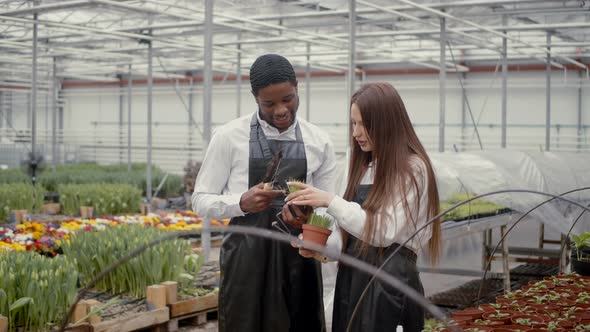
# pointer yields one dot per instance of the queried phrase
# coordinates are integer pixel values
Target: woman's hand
(309, 253)
(309, 195)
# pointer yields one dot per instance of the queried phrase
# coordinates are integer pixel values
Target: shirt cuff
(337, 208)
(233, 205)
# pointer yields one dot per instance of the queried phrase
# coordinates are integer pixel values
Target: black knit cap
(270, 69)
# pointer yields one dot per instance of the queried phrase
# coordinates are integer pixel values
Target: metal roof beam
(361, 11)
(495, 32)
(40, 9)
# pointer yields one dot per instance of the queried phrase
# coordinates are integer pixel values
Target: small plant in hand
(305, 209)
(292, 188)
(319, 220)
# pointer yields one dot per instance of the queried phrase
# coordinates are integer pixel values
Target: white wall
(91, 114)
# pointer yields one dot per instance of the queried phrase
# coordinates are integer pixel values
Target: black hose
(268, 234)
(435, 218)
(489, 262)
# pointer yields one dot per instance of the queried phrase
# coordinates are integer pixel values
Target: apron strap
(257, 135)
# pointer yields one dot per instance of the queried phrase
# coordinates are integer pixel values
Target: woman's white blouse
(397, 228)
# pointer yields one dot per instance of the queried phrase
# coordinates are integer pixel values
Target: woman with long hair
(390, 194)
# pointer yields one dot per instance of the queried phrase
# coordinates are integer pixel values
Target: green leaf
(20, 303)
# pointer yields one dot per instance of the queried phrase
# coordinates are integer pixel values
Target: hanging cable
(466, 99)
(181, 99)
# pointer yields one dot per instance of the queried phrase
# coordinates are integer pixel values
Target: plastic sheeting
(491, 170)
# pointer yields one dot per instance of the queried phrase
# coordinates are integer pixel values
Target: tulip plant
(94, 251)
(19, 196)
(107, 199)
(35, 291)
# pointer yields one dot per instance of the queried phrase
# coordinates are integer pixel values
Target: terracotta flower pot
(315, 234)
(461, 321)
(472, 313)
(489, 307)
(564, 303)
(486, 322)
(533, 320)
(501, 316)
(472, 328)
(566, 324)
(511, 328)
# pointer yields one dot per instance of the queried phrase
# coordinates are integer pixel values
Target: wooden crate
(154, 319)
(136, 321)
(193, 311)
(194, 319)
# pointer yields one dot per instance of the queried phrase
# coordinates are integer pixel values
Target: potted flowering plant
(581, 253)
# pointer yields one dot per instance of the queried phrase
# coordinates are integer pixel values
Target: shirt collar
(270, 129)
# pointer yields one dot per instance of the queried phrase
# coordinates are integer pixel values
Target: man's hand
(296, 215)
(258, 199)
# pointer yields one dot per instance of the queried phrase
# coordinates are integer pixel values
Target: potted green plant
(581, 253)
(317, 229)
(527, 320)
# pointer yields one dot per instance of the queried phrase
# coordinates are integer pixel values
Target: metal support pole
(564, 258)
(121, 119)
(463, 112)
(239, 80)
(29, 118)
(129, 91)
(442, 84)
(190, 119)
(541, 237)
(54, 89)
(505, 256)
(351, 59)
(9, 111)
(207, 73)
(580, 121)
(308, 83)
(207, 91)
(148, 191)
(548, 97)
(34, 90)
(46, 127)
(504, 83)
(484, 249)
(2, 115)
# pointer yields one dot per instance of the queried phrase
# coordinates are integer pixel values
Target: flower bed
(47, 238)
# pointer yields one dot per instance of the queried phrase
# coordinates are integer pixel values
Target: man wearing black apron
(265, 285)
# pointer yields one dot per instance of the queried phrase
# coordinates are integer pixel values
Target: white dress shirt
(397, 229)
(223, 176)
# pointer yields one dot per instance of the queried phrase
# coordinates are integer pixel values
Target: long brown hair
(394, 143)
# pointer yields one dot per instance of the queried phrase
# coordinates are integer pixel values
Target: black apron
(383, 307)
(267, 285)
